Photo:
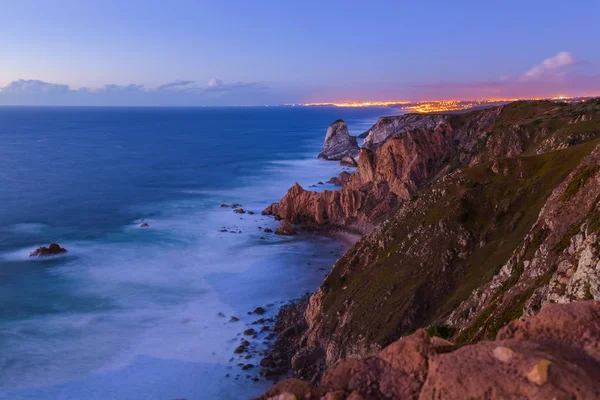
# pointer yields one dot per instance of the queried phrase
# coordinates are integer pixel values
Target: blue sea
(130, 312)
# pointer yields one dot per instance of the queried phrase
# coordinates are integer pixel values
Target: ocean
(144, 313)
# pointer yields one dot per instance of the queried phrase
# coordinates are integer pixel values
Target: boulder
(51, 250)
(338, 142)
(285, 228)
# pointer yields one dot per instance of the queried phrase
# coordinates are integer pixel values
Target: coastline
(128, 302)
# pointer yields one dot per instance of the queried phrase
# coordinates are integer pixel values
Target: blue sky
(273, 52)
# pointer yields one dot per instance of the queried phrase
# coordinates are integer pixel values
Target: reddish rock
(400, 161)
(285, 228)
(52, 250)
(268, 230)
(348, 162)
(341, 179)
(551, 355)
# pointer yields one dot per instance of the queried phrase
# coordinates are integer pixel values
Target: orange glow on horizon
(432, 106)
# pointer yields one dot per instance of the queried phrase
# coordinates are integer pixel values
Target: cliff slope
(478, 220)
(553, 355)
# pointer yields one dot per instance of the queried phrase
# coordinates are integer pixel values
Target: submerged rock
(338, 142)
(52, 250)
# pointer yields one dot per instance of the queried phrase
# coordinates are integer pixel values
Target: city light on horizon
(431, 106)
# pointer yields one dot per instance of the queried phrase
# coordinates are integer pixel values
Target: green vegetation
(432, 254)
(445, 332)
(579, 180)
(393, 291)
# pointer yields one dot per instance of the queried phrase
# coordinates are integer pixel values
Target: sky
(181, 52)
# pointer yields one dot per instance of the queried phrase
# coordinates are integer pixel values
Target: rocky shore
(468, 222)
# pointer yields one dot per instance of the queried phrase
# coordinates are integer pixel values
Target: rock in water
(285, 228)
(338, 142)
(52, 250)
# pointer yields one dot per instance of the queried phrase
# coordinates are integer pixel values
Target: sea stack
(338, 142)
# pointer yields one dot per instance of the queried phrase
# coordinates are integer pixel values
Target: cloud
(179, 92)
(550, 66)
(215, 83)
(557, 75)
(112, 88)
(175, 85)
(34, 86)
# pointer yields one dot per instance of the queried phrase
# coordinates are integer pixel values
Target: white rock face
(338, 143)
(578, 274)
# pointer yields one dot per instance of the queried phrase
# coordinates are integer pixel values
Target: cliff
(392, 172)
(472, 221)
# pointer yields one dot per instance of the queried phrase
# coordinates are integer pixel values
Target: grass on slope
(391, 292)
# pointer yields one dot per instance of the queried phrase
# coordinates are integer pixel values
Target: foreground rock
(52, 250)
(555, 354)
(338, 142)
(285, 228)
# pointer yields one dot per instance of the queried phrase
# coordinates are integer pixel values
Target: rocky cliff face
(553, 355)
(338, 142)
(483, 218)
(391, 173)
(387, 127)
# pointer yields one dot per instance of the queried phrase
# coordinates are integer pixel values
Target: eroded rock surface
(551, 355)
(338, 142)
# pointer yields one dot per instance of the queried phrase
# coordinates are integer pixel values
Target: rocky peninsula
(469, 221)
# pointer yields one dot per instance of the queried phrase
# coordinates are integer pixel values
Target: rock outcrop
(555, 354)
(389, 126)
(338, 143)
(387, 175)
(341, 179)
(285, 228)
(349, 161)
(52, 250)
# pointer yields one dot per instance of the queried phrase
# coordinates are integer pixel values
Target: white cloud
(215, 82)
(176, 85)
(112, 88)
(179, 92)
(550, 66)
(34, 86)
